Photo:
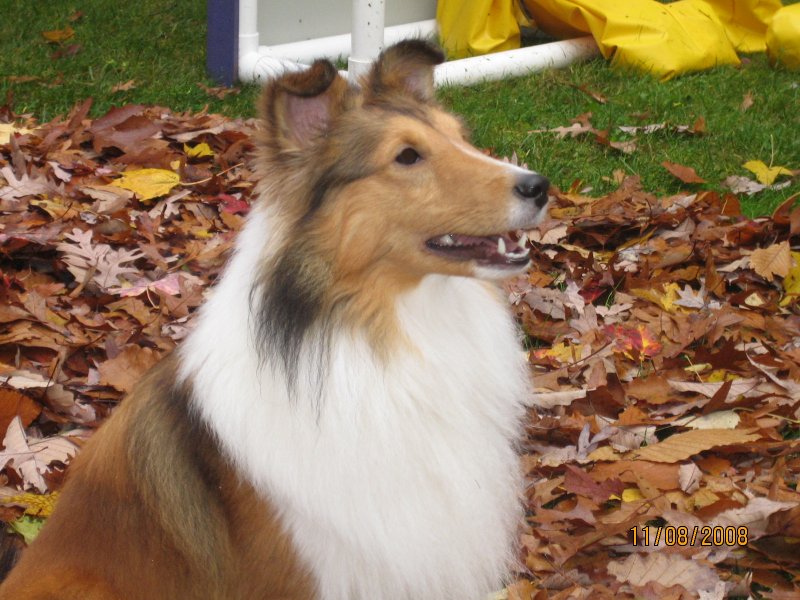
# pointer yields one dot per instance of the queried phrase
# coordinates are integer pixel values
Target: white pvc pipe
(268, 61)
(248, 28)
(367, 37)
(257, 62)
(513, 63)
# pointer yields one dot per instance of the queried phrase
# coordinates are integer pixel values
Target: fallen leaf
(684, 173)
(667, 570)
(14, 403)
(198, 151)
(123, 371)
(773, 260)
(36, 505)
(721, 419)
(148, 183)
(593, 94)
(57, 36)
(743, 185)
(33, 457)
(27, 526)
(219, 92)
(681, 446)
(98, 262)
(22, 78)
(791, 283)
(124, 87)
(66, 51)
(8, 129)
(747, 102)
(764, 174)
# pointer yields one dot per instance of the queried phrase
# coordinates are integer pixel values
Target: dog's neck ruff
(401, 479)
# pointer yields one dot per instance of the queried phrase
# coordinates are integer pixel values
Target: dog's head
(380, 173)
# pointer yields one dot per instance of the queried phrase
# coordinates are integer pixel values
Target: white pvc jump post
(369, 37)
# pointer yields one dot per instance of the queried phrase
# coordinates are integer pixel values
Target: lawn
(160, 48)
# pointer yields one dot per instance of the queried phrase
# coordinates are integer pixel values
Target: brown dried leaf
(773, 260)
(684, 173)
(13, 404)
(747, 101)
(668, 570)
(123, 371)
(683, 445)
(57, 36)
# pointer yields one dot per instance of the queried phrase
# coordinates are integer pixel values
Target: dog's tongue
(495, 249)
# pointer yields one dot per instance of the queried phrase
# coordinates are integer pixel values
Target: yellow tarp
(478, 27)
(783, 37)
(664, 39)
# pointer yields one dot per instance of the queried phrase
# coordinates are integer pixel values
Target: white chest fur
(399, 480)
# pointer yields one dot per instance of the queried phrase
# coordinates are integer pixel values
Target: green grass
(161, 46)
(502, 114)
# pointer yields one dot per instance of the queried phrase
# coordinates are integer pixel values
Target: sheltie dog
(343, 423)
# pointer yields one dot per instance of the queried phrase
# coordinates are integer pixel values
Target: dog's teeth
(448, 240)
(501, 245)
(523, 239)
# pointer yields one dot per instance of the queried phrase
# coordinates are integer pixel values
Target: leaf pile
(665, 342)
(112, 229)
(664, 337)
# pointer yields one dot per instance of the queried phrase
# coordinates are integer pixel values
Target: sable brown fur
(341, 263)
(151, 511)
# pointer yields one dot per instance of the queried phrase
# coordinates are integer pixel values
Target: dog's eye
(408, 156)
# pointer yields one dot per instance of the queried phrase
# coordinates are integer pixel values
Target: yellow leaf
(57, 209)
(666, 299)
(604, 453)
(7, 129)
(148, 183)
(561, 352)
(771, 261)
(198, 151)
(698, 368)
(764, 174)
(791, 283)
(37, 505)
(718, 375)
(702, 498)
(631, 494)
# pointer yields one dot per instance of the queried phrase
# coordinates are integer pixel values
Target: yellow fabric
(745, 21)
(783, 37)
(478, 27)
(665, 39)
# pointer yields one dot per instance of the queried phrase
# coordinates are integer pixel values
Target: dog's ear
(298, 107)
(406, 68)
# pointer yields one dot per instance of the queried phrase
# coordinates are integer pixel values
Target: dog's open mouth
(494, 250)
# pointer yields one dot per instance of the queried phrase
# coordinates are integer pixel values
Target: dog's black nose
(533, 187)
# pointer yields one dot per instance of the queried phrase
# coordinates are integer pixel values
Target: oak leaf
(30, 458)
(668, 570)
(101, 263)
